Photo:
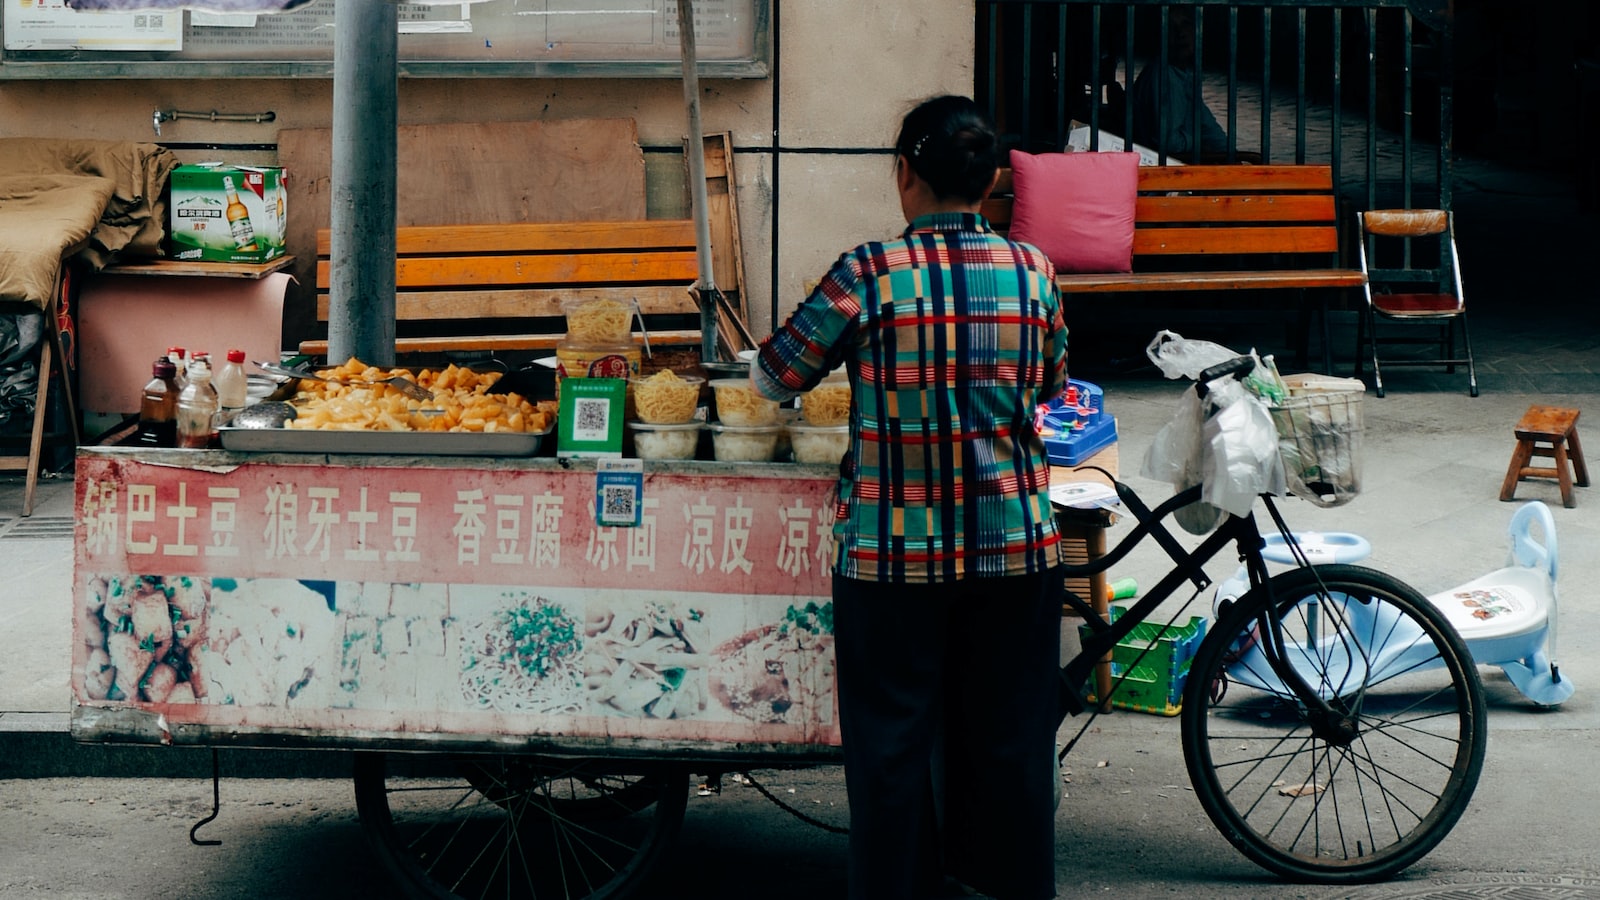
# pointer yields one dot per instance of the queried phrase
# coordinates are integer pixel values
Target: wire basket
(1320, 431)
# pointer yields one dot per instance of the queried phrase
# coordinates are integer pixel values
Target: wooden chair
(53, 362)
(1413, 278)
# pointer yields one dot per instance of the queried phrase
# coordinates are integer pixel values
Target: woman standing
(946, 608)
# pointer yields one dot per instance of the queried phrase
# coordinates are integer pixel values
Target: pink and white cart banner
(329, 599)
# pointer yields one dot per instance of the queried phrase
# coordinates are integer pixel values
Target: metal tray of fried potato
(382, 443)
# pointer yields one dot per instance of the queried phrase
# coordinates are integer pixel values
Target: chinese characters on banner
(304, 599)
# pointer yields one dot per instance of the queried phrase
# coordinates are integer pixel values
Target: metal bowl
(727, 369)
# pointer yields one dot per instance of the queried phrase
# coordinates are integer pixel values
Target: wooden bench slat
(665, 338)
(633, 267)
(1112, 283)
(530, 236)
(415, 306)
(1262, 208)
(1234, 240)
(1235, 178)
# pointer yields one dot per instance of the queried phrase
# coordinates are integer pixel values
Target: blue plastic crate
(1075, 433)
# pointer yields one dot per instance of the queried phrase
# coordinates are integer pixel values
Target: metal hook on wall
(168, 115)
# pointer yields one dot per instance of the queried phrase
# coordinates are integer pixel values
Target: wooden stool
(1553, 432)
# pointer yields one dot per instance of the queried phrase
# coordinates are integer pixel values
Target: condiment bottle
(180, 363)
(232, 386)
(197, 408)
(158, 407)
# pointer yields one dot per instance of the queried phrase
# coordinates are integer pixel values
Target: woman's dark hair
(950, 143)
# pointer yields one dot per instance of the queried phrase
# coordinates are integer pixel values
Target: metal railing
(1362, 85)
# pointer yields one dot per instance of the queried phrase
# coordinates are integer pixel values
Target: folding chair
(1413, 274)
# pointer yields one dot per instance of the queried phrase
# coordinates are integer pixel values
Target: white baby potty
(1506, 617)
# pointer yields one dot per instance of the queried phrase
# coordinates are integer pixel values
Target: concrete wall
(846, 72)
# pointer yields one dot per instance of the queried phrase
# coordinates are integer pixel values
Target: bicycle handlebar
(1238, 367)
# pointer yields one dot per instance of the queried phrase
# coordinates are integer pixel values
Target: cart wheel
(468, 826)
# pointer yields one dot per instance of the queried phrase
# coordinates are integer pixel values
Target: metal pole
(696, 152)
(362, 217)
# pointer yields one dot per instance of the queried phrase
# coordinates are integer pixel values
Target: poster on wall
(483, 34)
(54, 25)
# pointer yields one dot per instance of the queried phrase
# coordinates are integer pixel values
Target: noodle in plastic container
(827, 404)
(819, 443)
(676, 441)
(597, 320)
(740, 406)
(666, 398)
(752, 444)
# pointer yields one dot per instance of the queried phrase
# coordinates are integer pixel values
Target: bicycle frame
(1241, 531)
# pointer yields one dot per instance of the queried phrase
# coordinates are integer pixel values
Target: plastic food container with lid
(819, 443)
(675, 441)
(740, 406)
(732, 443)
(598, 321)
(666, 398)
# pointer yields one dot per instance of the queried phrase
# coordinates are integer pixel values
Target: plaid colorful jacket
(952, 336)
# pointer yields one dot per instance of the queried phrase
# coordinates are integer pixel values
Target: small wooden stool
(1550, 431)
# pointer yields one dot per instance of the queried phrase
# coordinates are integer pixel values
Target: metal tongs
(405, 385)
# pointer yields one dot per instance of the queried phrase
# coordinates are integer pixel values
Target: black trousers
(948, 708)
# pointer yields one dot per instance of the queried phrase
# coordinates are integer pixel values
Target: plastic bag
(1240, 451)
(1178, 357)
(1226, 442)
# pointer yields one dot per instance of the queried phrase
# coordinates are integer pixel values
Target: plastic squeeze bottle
(180, 362)
(232, 386)
(197, 408)
(158, 407)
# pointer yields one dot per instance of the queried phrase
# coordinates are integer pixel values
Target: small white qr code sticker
(619, 503)
(591, 418)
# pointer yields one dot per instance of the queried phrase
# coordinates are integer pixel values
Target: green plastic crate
(1155, 684)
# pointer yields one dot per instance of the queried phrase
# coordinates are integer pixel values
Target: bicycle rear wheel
(1364, 787)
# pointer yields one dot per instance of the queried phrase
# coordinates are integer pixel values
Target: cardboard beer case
(228, 213)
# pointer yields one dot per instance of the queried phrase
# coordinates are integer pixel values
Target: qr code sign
(591, 418)
(618, 503)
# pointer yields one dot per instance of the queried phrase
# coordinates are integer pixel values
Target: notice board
(472, 38)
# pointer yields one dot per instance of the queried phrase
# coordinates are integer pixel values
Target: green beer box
(223, 213)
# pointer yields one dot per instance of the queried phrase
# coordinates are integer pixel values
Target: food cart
(556, 674)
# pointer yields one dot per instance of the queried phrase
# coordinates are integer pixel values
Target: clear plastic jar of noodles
(666, 398)
(597, 321)
(827, 404)
(819, 443)
(675, 441)
(732, 443)
(740, 406)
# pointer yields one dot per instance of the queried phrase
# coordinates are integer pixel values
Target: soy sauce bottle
(158, 407)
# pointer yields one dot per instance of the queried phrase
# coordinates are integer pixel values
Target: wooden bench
(499, 287)
(1224, 228)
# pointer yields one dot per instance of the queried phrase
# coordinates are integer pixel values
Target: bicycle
(1321, 752)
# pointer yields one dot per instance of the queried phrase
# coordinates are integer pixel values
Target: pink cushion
(1076, 207)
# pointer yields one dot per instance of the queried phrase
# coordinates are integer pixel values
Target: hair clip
(916, 149)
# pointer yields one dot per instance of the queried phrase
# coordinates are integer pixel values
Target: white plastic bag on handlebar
(1239, 449)
(1178, 357)
(1225, 442)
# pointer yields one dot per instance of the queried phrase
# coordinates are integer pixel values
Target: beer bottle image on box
(244, 234)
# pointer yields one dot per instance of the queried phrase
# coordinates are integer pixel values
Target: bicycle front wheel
(1364, 775)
